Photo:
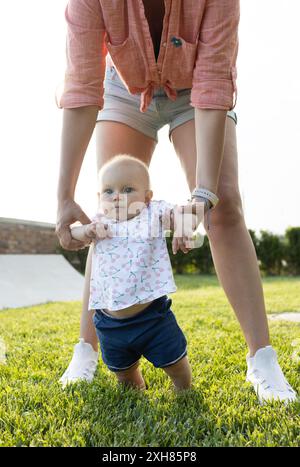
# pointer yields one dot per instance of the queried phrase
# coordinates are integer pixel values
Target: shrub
(270, 253)
(292, 254)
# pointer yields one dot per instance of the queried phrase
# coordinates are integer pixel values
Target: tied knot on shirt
(147, 94)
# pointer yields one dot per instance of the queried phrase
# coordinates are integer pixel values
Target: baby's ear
(148, 195)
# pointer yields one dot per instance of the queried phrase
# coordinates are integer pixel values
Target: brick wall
(21, 236)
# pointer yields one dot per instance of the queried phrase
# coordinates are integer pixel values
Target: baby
(131, 276)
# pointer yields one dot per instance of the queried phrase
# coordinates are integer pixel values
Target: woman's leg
(111, 138)
(87, 329)
(232, 249)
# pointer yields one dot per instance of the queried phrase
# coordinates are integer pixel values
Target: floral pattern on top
(134, 265)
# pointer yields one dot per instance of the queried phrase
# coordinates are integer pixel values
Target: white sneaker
(82, 366)
(267, 378)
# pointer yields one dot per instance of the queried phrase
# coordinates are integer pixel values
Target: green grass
(220, 410)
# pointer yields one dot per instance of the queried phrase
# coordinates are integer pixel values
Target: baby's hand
(102, 231)
(90, 231)
(186, 221)
(98, 231)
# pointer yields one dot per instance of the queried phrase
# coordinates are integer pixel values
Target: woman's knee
(229, 210)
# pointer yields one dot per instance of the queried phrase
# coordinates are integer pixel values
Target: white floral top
(134, 265)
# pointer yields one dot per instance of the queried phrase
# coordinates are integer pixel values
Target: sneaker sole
(263, 401)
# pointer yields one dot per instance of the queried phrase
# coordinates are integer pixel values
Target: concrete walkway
(32, 279)
(288, 316)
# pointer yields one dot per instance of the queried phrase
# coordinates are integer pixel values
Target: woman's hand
(186, 220)
(68, 212)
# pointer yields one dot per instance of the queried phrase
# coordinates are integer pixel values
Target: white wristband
(202, 192)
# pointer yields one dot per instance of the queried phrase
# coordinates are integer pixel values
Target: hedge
(276, 254)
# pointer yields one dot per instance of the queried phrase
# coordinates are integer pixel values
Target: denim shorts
(153, 333)
(120, 106)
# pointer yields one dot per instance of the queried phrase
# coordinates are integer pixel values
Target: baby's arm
(86, 233)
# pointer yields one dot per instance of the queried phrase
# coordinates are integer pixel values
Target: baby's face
(123, 191)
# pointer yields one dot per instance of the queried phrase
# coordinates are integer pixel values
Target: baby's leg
(131, 377)
(180, 373)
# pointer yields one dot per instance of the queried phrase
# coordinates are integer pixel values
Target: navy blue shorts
(153, 333)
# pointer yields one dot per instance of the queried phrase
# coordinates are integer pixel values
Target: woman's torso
(154, 12)
(156, 36)
(120, 32)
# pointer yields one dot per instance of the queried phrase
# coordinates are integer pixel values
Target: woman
(165, 62)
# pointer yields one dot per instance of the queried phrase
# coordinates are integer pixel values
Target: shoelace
(266, 384)
(85, 369)
(85, 373)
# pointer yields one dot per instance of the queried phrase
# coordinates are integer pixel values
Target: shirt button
(164, 44)
(176, 41)
(159, 72)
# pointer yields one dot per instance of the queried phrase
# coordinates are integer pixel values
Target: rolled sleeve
(215, 73)
(85, 56)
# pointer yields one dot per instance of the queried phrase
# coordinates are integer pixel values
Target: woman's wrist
(203, 193)
(64, 200)
(199, 199)
(64, 192)
(209, 198)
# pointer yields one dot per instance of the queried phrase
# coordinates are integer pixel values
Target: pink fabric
(199, 47)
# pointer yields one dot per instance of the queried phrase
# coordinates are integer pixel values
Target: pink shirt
(199, 47)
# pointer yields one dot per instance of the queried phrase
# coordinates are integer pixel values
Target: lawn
(220, 410)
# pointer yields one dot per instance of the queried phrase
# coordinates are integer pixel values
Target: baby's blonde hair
(125, 158)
